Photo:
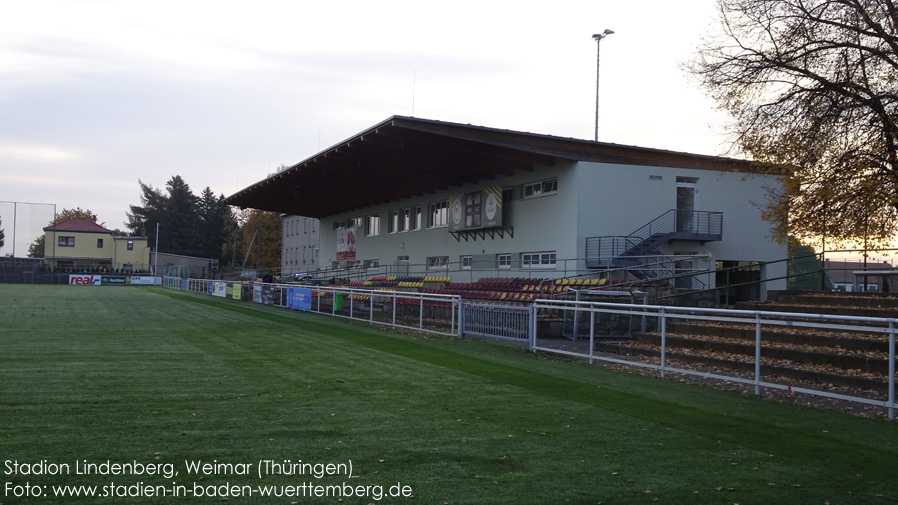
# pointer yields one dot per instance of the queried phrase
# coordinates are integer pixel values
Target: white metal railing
(509, 322)
(428, 312)
(449, 315)
(662, 315)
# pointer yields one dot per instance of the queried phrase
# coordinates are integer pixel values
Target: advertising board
(84, 280)
(143, 280)
(299, 299)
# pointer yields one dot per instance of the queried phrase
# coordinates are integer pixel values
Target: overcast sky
(96, 95)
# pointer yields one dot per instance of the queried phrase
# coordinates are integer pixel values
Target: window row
(300, 225)
(528, 260)
(410, 218)
(63, 241)
(292, 255)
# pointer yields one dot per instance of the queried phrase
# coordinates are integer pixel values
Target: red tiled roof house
(82, 245)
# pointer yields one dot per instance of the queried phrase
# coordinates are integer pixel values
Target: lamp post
(598, 38)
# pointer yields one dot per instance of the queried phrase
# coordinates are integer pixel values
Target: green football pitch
(140, 395)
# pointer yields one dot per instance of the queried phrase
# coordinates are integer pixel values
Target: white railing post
(892, 369)
(757, 354)
(592, 335)
(532, 327)
(461, 318)
(663, 320)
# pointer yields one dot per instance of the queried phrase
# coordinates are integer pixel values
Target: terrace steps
(855, 359)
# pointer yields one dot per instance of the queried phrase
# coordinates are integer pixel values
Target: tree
(77, 213)
(201, 226)
(262, 232)
(805, 267)
(143, 218)
(176, 213)
(217, 224)
(813, 89)
(2, 235)
(37, 248)
(182, 228)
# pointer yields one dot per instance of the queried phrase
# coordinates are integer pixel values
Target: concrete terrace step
(850, 341)
(864, 361)
(769, 367)
(862, 300)
(837, 304)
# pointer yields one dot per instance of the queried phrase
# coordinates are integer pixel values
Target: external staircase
(639, 252)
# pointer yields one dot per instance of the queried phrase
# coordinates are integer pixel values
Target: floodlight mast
(598, 38)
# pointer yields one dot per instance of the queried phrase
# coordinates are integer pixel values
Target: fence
(433, 313)
(506, 322)
(659, 317)
(567, 327)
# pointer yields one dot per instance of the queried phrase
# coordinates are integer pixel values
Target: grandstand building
(415, 197)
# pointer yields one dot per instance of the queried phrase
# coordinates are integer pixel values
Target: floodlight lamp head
(599, 36)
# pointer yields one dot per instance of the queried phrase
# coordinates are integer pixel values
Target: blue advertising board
(299, 299)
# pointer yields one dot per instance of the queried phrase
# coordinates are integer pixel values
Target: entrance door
(686, 204)
(402, 265)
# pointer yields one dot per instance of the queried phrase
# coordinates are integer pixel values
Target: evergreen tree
(143, 218)
(176, 213)
(201, 226)
(183, 219)
(216, 225)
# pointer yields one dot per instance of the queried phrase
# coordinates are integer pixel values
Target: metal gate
(510, 322)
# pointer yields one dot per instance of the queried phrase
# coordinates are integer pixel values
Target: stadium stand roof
(404, 157)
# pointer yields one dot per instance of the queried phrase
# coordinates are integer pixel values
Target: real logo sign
(84, 280)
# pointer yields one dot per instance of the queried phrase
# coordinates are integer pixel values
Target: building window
(503, 260)
(538, 260)
(540, 188)
(372, 225)
(393, 223)
(405, 219)
(130, 245)
(439, 214)
(438, 262)
(415, 218)
(467, 262)
(99, 243)
(66, 242)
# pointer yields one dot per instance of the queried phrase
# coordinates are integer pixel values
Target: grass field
(138, 375)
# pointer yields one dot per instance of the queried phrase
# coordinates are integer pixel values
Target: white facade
(592, 199)
(299, 244)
